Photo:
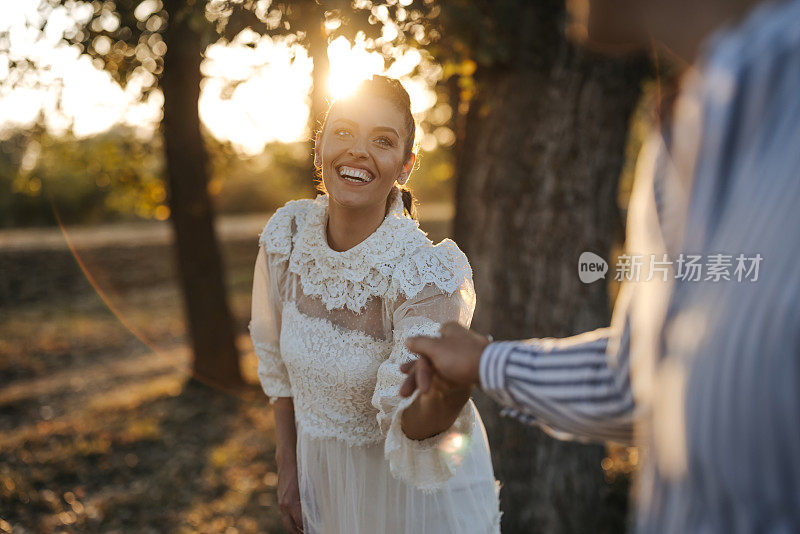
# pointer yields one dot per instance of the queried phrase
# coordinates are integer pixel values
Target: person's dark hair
(393, 91)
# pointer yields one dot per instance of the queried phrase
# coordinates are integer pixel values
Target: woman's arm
(435, 287)
(441, 399)
(286, 457)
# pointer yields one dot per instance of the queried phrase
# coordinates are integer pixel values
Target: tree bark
(318, 50)
(538, 165)
(210, 327)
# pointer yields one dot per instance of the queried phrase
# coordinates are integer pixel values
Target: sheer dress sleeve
(265, 327)
(449, 296)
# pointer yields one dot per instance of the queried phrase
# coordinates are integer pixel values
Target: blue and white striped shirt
(703, 375)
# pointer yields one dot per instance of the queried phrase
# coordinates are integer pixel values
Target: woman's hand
(286, 456)
(445, 374)
(289, 498)
(435, 410)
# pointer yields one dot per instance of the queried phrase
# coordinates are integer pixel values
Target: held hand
(453, 358)
(289, 499)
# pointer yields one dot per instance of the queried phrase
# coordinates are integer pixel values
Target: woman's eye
(342, 132)
(384, 141)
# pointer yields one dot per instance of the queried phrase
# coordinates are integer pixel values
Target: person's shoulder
(443, 265)
(276, 237)
(761, 45)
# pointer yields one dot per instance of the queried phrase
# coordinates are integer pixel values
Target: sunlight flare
(349, 66)
(255, 89)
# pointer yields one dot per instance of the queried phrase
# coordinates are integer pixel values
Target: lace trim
(387, 398)
(397, 259)
(428, 464)
(348, 279)
(442, 265)
(277, 236)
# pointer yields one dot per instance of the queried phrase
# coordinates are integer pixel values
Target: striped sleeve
(573, 388)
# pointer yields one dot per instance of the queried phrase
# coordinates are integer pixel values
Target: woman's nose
(358, 149)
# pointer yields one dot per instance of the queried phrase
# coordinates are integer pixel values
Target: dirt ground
(103, 432)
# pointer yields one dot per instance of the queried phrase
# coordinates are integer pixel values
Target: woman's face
(361, 151)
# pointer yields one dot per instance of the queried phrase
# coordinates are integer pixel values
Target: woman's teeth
(352, 174)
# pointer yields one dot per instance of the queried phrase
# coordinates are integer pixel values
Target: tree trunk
(318, 50)
(216, 360)
(538, 164)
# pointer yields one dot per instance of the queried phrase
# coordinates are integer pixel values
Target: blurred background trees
(521, 130)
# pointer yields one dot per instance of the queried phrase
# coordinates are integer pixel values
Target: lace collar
(349, 278)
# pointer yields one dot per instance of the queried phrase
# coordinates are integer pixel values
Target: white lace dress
(328, 329)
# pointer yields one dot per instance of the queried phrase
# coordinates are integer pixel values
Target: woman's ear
(318, 149)
(317, 155)
(408, 166)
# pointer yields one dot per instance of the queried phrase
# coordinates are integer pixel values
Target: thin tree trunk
(538, 167)
(318, 50)
(216, 359)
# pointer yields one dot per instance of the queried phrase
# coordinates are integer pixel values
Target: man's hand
(454, 357)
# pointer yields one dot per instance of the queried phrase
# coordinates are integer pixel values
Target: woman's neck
(347, 227)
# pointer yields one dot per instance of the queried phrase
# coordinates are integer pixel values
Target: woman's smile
(355, 175)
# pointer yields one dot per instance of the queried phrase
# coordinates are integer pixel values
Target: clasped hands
(447, 365)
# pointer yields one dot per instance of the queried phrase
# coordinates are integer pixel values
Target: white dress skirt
(329, 330)
(351, 489)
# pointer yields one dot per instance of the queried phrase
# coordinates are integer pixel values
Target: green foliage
(259, 183)
(116, 175)
(475, 39)
(113, 175)
(125, 37)
(297, 18)
(487, 32)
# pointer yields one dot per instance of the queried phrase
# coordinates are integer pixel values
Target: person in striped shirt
(702, 372)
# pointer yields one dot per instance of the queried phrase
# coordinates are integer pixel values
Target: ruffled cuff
(427, 464)
(272, 373)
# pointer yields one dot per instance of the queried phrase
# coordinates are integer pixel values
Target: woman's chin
(350, 199)
(358, 196)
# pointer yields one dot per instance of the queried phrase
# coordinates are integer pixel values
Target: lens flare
(453, 447)
(177, 363)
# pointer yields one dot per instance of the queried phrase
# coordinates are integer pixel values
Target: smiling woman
(341, 281)
(366, 139)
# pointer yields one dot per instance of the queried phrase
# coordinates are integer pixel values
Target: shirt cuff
(494, 361)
